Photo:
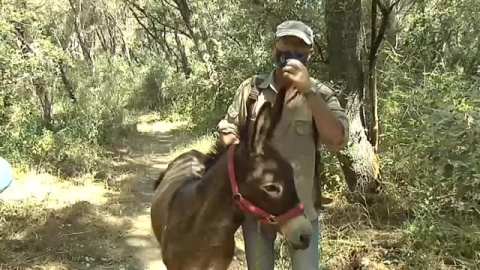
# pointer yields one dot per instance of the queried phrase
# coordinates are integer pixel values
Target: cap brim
(295, 33)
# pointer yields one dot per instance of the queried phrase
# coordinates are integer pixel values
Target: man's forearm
(330, 129)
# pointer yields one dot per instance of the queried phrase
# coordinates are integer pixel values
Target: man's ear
(311, 52)
(274, 48)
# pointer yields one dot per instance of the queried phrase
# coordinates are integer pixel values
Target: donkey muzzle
(297, 231)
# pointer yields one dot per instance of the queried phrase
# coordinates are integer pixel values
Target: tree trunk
(183, 56)
(372, 81)
(66, 82)
(198, 38)
(391, 32)
(359, 161)
(38, 83)
(376, 41)
(78, 31)
(45, 101)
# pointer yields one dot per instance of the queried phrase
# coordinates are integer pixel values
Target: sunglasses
(281, 57)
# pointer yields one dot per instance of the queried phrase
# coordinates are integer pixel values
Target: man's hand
(229, 138)
(298, 74)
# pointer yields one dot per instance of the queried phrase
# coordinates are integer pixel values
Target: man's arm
(330, 118)
(236, 113)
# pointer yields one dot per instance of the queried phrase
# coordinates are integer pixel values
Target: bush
(429, 150)
(73, 144)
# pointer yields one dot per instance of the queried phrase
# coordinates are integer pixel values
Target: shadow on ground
(79, 236)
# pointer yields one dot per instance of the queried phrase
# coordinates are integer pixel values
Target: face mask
(282, 57)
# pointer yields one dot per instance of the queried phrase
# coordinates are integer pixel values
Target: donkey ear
(261, 129)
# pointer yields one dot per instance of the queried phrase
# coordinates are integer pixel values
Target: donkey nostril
(305, 240)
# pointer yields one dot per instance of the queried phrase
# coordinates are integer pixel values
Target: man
(308, 105)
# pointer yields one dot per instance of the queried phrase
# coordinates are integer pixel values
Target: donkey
(195, 212)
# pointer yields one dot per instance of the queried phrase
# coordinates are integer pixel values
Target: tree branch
(378, 38)
(144, 12)
(386, 11)
(320, 51)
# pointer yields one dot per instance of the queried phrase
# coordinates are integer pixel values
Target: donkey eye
(271, 188)
(274, 190)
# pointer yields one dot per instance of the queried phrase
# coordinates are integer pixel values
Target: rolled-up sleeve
(236, 112)
(333, 103)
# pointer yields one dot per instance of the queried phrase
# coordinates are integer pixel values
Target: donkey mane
(216, 151)
(213, 155)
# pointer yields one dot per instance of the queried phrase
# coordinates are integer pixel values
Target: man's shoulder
(325, 88)
(254, 80)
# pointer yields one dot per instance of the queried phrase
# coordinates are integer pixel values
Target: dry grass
(359, 237)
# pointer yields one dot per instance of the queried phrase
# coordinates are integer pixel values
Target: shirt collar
(268, 81)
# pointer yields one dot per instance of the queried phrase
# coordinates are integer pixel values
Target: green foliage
(429, 145)
(31, 53)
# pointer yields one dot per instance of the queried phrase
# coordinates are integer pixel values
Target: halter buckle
(237, 197)
(272, 220)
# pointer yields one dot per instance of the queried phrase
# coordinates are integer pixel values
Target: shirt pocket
(303, 127)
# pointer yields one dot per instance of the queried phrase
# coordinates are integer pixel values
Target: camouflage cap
(295, 28)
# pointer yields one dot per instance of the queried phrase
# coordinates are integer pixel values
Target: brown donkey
(195, 215)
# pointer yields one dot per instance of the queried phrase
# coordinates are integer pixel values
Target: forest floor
(102, 221)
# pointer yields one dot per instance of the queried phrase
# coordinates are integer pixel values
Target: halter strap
(248, 207)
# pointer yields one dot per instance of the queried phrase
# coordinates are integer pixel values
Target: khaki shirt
(293, 136)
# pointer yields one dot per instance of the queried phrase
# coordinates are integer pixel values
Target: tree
(359, 161)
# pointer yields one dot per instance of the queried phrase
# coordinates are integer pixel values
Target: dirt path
(154, 151)
(151, 148)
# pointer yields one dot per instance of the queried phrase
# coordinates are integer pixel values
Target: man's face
(291, 46)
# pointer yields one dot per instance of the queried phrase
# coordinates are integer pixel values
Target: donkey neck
(214, 197)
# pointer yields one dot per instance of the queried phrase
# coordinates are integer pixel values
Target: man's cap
(295, 28)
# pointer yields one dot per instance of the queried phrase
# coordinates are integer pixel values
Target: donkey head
(269, 179)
